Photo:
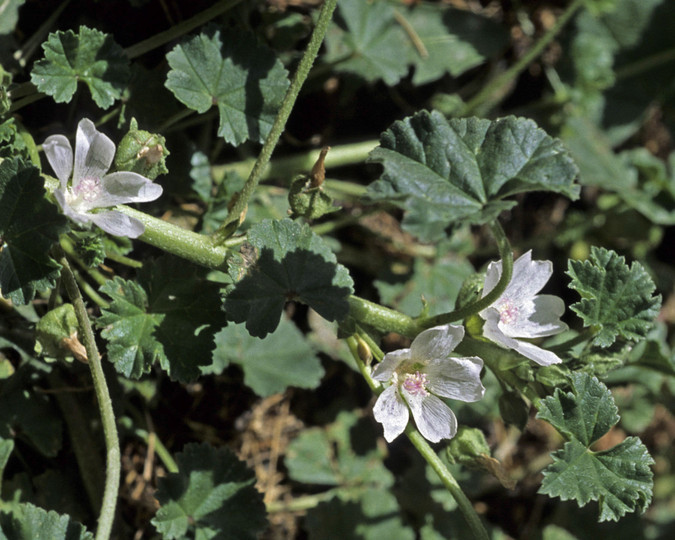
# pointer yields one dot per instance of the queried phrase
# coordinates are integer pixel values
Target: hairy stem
(506, 256)
(280, 121)
(382, 318)
(113, 465)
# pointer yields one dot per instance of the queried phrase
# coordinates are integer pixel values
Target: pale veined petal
(118, 224)
(126, 187)
(392, 412)
(385, 369)
(434, 419)
(60, 197)
(436, 342)
(456, 378)
(538, 318)
(60, 156)
(94, 152)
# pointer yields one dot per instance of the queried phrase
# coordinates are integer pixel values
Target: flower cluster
(91, 188)
(420, 376)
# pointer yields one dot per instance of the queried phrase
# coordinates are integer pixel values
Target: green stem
(162, 451)
(506, 256)
(280, 121)
(382, 318)
(288, 166)
(306, 502)
(179, 29)
(465, 506)
(113, 465)
(195, 247)
(499, 82)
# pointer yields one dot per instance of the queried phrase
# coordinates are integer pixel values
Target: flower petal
(60, 196)
(529, 277)
(436, 342)
(125, 187)
(94, 152)
(60, 156)
(385, 369)
(456, 378)
(118, 224)
(492, 331)
(392, 412)
(434, 419)
(538, 318)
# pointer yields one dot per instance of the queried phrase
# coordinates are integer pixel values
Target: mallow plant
(224, 318)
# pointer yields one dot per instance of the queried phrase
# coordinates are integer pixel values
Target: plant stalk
(113, 463)
(280, 121)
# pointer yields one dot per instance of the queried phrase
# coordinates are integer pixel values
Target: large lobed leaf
(28, 522)
(445, 171)
(293, 264)
(29, 226)
(284, 358)
(619, 478)
(89, 56)
(212, 496)
(170, 316)
(231, 70)
(616, 300)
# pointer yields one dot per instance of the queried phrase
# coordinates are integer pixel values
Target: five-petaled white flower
(91, 188)
(519, 312)
(418, 375)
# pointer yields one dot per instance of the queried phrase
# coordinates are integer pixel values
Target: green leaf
(293, 264)
(362, 39)
(9, 15)
(616, 300)
(443, 172)
(89, 56)
(231, 70)
(453, 41)
(170, 315)
(345, 452)
(29, 225)
(212, 496)
(28, 522)
(282, 359)
(619, 478)
(586, 413)
(56, 333)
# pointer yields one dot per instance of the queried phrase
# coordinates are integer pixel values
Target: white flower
(519, 312)
(418, 375)
(91, 188)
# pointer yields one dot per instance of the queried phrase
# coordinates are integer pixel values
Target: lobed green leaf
(282, 359)
(442, 172)
(616, 300)
(212, 496)
(293, 263)
(89, 56)
(28, 522)
(29, 226)
(231, 70)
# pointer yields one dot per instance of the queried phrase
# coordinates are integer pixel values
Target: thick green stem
(113, 464)
(496, 84)
(506, 256)
(280, 121)
(464, 504)
(382, 318)
(195, 247)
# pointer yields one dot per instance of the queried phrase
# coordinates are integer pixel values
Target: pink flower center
(508, 312)
(415, 384)
(89, 188)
